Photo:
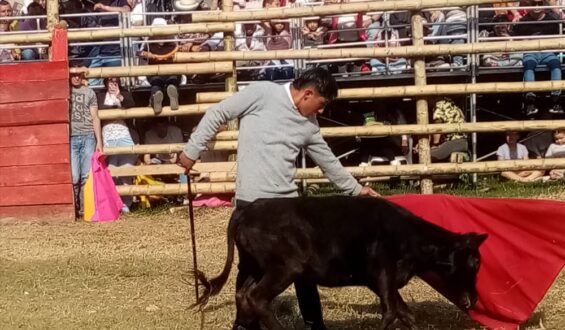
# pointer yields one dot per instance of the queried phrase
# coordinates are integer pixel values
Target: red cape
(524, 253)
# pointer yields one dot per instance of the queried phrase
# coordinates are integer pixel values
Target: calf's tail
(213, 286)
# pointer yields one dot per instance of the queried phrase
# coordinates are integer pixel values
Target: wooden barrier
(35, 173)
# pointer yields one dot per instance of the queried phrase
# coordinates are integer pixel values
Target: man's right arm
(236, 106)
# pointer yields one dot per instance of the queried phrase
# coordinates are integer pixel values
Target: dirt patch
(132, 274)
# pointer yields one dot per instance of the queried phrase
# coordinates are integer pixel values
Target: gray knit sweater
(271, 134)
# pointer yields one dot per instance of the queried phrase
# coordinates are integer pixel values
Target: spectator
(386, 37)
(313, 32)
(250, 40)
(107, 55)
(160, 53)
(115, 133)
(544, 26)
(278, 38)
(557, 150)
(162, 133)
(33, 24)
(513, 15)
(512, 150)
(85, 133)
(502, 59)
(443, 145)
(435, 18)
(455, 25)
(9, 52)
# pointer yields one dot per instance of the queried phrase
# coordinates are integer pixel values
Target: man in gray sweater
(276, 121)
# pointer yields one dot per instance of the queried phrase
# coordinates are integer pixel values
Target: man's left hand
(368, 191)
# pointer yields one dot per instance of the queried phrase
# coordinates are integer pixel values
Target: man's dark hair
(5, 3)
(320, 79)
(35, 9)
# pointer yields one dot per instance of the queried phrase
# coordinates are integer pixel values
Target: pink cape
(524, 253)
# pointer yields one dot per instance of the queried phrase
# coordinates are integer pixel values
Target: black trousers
(306, 293)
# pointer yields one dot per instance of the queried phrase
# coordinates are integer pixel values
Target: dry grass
(128, 275)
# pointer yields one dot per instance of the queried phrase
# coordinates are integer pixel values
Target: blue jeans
(532, 60)
(82, 148)
(122, 160)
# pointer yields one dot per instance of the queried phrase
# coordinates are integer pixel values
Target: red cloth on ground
(521, 258)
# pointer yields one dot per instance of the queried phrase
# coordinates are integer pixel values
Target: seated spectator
(313, 32)
(557, 150)
(532, 60)
(513, 15)
(34, 24)
(9, 52)
(455, 24)
(107, 55)
(162, 133)
(250, 40)
(512, 150)
(386, 37)
(502, 59)
(443, 145)
(161, 53)
(278, 38)
(115, 133)
(433, 27)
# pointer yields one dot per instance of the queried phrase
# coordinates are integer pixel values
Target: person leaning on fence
(115, 133)
(266, 153)
(86, 136)
(545, 25)
(512, 150)
(557, 150)
(443, 145)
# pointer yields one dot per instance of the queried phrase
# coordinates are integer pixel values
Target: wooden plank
(27, 91)
(36, 195)
(52, 213)
(15, 176)
(59, 45)
(34, 72)
(35, 155)
(34, 113)
(35, 135)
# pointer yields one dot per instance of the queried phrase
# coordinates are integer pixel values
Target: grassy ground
(130, 275)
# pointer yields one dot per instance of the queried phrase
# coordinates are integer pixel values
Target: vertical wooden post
(426, 185)
(52, 7)
(231, 78)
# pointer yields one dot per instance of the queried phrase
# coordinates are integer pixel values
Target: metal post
(426, 185)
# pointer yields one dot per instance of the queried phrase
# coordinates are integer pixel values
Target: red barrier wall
(35, 174)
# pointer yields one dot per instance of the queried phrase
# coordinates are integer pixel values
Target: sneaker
(531, 110)
(157, 102)
(556, 109)
(173, 94)
(125, 209)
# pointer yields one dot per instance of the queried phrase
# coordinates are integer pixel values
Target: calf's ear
(474, 240)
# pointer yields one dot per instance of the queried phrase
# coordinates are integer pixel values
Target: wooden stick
(377, 52)
(360, 172)
(183, 110)
(347, 8)
(362, 131)
(160, 70)
(428, 90)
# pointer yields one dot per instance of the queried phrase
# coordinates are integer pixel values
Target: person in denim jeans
(85, 133)
(544, 26)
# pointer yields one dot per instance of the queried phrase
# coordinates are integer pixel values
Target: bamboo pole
(428, 90)
(159, 70)
(347, 8)
(166, 148)
(183, 110)
(99, 34)
(231, 79)
(426, 184)
(52, 7)
(227, 140)
(211, 97)
(360, 172)
(377, 52)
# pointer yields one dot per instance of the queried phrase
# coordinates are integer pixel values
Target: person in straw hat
(276, 122)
